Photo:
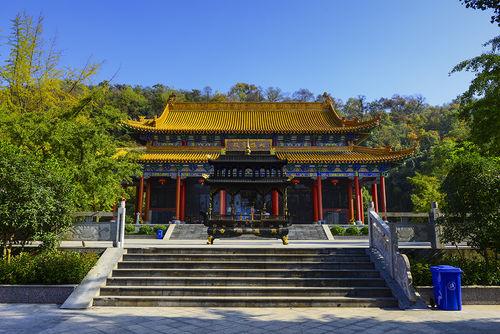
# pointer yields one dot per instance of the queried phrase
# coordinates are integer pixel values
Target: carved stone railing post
(371, 207)
(433, 228)
(394, 246)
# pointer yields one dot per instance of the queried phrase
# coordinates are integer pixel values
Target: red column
(275, 202)
(183, 200)
(361, 206)
(320, 198)
(315, 201)
(178, 198)
(350, 213)
(148, 199)
(383, 202)
(375, 196)
(140, 195)
(222, 202)
(357, 192)
(334, 193)
(136, 209)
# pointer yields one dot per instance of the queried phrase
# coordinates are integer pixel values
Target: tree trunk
(486, 259)
(8, 252)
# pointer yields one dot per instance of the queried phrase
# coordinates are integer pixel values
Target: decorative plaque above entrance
(240, 145)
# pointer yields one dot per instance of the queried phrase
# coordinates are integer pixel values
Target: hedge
(144, 229)
(47, 267)
(350, 231)
(475, 271)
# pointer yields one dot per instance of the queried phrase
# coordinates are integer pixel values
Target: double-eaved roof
(262, 118)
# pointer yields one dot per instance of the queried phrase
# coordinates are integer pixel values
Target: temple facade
(318, 151)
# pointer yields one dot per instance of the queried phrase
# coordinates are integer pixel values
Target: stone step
(238, 301)
(196, 273)
(285, 291)
(217, 265)
(364, 279)
(213, 249)
(247, 257)
(237, 272)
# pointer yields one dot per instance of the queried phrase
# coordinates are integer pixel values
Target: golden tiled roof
(309, 155)
(180, 154)
(341, 154)
(248, 117)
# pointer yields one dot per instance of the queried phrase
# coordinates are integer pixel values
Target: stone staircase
(246, 277)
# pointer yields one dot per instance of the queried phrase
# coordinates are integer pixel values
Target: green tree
(480, 104)
(245, 92)
(129, 100)
(472, 204)
(36, 197)
(485, 5)
(55, 115)
(425, 191)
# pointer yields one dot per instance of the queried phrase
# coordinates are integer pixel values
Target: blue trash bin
(447, 287)
(159, 233)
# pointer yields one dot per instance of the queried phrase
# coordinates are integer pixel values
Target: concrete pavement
(49, 319)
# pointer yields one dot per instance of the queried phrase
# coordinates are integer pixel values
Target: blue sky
(348, 48)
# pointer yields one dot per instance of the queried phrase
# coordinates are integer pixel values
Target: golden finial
(248, 150)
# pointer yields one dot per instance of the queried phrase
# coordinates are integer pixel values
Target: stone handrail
(93, 216)
(406, 214)
(384, 242)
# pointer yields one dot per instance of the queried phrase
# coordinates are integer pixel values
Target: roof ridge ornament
(327, 98)
(163, 117)
(171, 98)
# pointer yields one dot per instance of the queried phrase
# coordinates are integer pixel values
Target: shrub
(421, 274)
(20, 270)
(352, 230)
(337, 230)
(129, 228)
(475, 270)
(50, 241)
(47, 267)
(160, 227)
(364, 230)
(129, 220)
(61, 267)
(146, 229)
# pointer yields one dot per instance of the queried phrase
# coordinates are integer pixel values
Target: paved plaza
(24, 318)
